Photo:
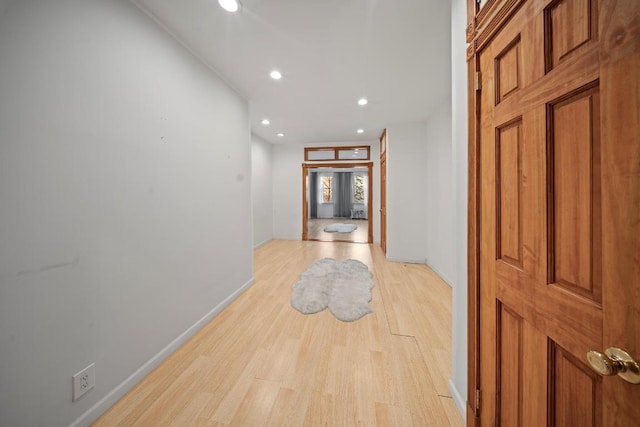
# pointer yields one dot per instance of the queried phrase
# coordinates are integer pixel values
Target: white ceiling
(331, 52)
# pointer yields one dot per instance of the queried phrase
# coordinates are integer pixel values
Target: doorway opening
(337, 202)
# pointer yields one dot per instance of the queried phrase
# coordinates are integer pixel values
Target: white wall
(4, 5)
(406, 194)
(261, 190)
(287, 187)
(440, 218)
(458, 384)
(435, 227)
(287, 191)
(325, 210)
(116, 150)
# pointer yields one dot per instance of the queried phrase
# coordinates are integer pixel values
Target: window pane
(326, 189)
(329, 154)
(358, 190)
(354, 154)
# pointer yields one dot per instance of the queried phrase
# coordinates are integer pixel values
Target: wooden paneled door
(558, 161)
(383, 191)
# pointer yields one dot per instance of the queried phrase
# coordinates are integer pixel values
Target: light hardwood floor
(260, 362)
(315, 230)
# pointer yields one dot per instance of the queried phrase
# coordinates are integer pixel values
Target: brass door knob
(615, 361)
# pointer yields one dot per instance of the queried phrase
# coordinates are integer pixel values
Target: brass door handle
(615, 361)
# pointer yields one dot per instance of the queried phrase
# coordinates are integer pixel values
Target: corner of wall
(119, 391)
(264, 242)
(459, 359)
(458, 400)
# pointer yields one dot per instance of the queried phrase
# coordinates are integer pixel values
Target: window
(327, 194)
(319, 154)
(358, 189)
(352, 153)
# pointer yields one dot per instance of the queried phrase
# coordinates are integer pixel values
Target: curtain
(313, 194)
(342, 200)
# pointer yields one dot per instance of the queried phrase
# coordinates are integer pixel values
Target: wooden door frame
(482, 25)
(473, 249)
(305, 212)
(383, 190)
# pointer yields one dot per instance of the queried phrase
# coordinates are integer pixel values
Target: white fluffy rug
(342, 286)
(340, 228)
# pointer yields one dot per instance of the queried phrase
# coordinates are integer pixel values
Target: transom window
(352, 153)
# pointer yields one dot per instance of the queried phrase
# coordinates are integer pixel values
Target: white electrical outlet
(84, 381)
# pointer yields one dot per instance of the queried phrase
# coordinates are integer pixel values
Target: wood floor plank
(321, 410)
(393, 416)
(452, 412)
(191, 415)
(419, 391)
(260, 362)
(228, 408)
(257, 404)
(386, 387)
(289, 409)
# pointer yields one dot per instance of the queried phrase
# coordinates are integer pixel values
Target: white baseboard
(442, 276)
(262, 243)
(114, 395)
(288, 237)
(459, 401)
(407, 260)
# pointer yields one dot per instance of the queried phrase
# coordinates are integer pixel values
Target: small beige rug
(342, 286)
(339, 227)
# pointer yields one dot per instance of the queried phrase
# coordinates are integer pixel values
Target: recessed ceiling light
(280, 134)
(229, 5)
(265, 121)
(360, 131)
(363, 101)
(275, 75)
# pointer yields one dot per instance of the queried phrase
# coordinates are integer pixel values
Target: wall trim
(441, 275)
(287, 237)
(264, 242)
(458, 400)
(407, 260)
(121, 389)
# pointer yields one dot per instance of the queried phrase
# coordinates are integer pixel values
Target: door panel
(574, 189)
(572, 26)
(510, 363)
(508, 193)
(551, 221)
(575, 390)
